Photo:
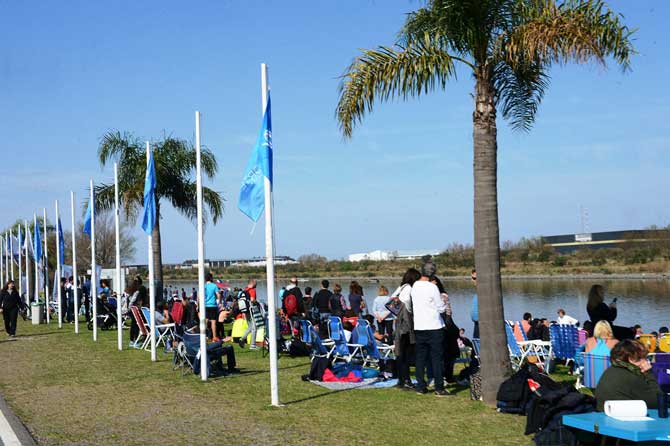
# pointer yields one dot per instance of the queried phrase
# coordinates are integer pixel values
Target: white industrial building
(379, 255)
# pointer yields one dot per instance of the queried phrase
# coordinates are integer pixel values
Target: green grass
(69, 390)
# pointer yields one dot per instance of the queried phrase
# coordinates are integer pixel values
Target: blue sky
(70, 71)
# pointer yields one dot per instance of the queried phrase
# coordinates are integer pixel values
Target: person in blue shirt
(211, 306)
(474, 309)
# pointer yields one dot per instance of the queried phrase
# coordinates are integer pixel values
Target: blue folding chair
(363, 335)
(341, 348)
(564, 341)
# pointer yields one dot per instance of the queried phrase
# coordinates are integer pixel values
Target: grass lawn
(69, 390)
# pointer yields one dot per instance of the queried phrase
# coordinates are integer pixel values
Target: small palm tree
(508, 46)
(175, 163)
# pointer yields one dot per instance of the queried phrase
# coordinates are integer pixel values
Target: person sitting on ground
(602, 341)
(629, 377)
(564, 319)
(525, 322)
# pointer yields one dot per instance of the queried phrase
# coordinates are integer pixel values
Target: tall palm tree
(175, 163)
(508, 46)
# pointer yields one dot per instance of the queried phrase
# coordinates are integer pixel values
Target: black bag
(319, 365)
(514, 393)
(546, 412)
(298, 348)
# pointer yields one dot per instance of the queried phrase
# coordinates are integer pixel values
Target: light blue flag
(87, 217)
(38, 244)
(252, 191)
(149, 216)
(61, 242)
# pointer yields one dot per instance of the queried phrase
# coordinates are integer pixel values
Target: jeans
(70, 310)
(10, 316)
(251, 328)
(429, 348)
(217, 350)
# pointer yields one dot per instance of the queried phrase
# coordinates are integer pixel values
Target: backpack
(177, 312)
(243, 302)
(291, 304)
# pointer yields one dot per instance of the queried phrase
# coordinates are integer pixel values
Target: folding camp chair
(163, 331)
(519, 351)
(476, 343)
(664, 343)
(661, 370)
(594, 367)
(564, 341)
(319, 350)
(143, 336)
(342, 349)
(649, 341)
(363, 335)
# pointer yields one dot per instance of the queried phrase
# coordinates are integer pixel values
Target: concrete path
(12, 431)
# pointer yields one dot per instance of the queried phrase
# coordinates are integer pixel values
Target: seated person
(539, 330)
(348, 328)
(215, 351)
(603, 340)
(629, 377)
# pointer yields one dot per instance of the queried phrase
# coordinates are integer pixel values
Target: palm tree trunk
(158, 259)
(494, 354)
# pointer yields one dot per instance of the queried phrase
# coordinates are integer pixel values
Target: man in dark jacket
(10, 302)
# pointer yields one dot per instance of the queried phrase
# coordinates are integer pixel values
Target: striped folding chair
(564, 341)
(594, 367)
(661, 370)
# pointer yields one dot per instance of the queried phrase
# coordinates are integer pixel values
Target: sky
(71, 71)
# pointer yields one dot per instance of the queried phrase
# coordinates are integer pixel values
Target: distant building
(379, 255)
(569, 243)
(224, 263)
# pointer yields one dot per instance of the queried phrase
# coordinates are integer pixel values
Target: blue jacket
(474, 310)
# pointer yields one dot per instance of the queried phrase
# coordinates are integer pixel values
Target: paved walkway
(12, 431)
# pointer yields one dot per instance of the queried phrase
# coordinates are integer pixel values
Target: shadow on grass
(313, 397)
(28, 336)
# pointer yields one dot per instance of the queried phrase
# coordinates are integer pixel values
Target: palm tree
(175, 162)
(508, 46)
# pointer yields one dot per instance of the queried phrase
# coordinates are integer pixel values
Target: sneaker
(443, 392)
(253, 347)
(422, 391)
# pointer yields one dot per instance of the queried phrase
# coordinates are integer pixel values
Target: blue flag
(87, 218)
(149, 216)
(38, 244)
(252, 191)
(61, 241)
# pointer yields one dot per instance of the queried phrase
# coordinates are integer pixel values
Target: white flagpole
(269, 262)
(58, 273)
(26, 240)
(94, 284)
(47, 298)
(3, 257)
(74, 264)
(20, 263)
(11, 252)
(152, 286)
(201, 254)
(35, 261)
(119, 289)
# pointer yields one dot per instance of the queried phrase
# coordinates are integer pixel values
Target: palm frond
(117, 145)
(571, 31)
(386, 73)
(519, 92)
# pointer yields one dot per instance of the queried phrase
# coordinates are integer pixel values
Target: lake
(644, 302)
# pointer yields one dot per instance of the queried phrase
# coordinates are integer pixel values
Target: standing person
(383, 316)
(598, 310)
(356, 302)
(452, 351)
(338, 304)
(183, 294)
(307, 305)
(104, 288)
(321, 304)
(86, 291)
(63, 299)
(244, 302)
(474, 309)
(427, 309)
(404, 339)
(293, 289)
(211, 306)
(10, 303)
(70, 300)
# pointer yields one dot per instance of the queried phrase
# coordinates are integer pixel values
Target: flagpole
(3, 257)
(74, 265)
(25, 225)
(47, 297)
(119, 289)
(201, 254)
(11, 251)
(269, 261)
(20, 264)
(35, 261)
(152, 287)
(94, 284)
(58, 273)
